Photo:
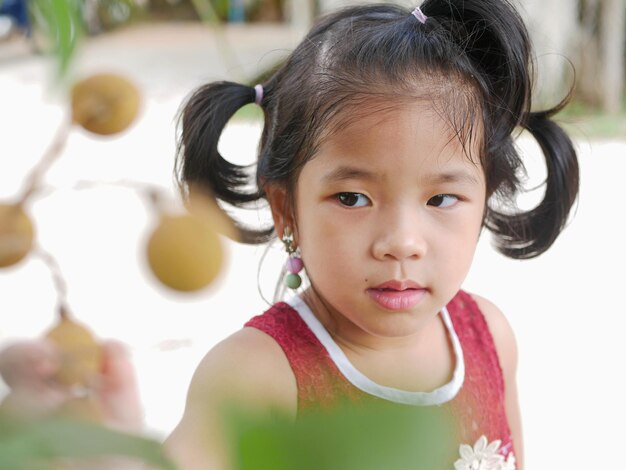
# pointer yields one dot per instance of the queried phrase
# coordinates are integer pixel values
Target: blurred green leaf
(37, 444)
(59, 25)
(206, 11)
(583, 120)
(350, 438)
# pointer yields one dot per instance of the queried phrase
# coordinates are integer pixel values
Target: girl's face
(388, 216)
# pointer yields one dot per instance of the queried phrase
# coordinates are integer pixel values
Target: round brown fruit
(81, 355)
(185, 252)
(201, 203)
(16, 234)
(104, 104)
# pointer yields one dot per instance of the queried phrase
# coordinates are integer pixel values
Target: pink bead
(294, 265)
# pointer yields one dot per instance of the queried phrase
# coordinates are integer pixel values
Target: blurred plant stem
(57, 276)
(208, 15)
(54, 151)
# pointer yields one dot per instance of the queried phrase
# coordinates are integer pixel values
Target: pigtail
(528, 234)
(198, 162)
(492, 35)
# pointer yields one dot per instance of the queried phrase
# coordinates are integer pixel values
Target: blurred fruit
(81, 355)
(16, 234)
(105, 103)
(185, 252)
(202, 203)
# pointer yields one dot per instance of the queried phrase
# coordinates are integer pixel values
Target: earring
(294, 264)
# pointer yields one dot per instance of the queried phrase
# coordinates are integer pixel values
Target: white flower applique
(483, 456)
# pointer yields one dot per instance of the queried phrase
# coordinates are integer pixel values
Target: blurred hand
(29, 367)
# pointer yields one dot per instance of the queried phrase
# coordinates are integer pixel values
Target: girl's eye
(443, 200)
(353, 199)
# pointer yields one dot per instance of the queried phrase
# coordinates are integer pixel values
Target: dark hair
(471, 57)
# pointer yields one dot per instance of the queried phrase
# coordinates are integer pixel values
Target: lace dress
(474, 397)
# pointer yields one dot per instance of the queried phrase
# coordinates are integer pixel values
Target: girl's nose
(400, 237)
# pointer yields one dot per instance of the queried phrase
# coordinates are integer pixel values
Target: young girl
(387, 147)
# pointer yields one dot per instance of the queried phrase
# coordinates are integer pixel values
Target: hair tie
(258, 89)
(421, 17)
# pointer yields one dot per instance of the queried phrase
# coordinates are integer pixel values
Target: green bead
(293, 281)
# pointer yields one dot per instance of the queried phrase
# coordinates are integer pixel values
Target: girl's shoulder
(250, 368)
(247, 371)
(497, 325)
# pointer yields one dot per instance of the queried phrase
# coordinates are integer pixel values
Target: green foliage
(37, 445)
(206, 11)
(59, 24)
(584, 121)
(249, 112)
(218, 9)
(221, 8)
(349, 438)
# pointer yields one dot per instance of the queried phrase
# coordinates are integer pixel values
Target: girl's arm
(506, 347)
(248, 370)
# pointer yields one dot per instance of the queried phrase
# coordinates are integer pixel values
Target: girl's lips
(397, 300)
(398, 285)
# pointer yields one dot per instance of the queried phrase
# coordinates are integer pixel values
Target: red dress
(478, 407)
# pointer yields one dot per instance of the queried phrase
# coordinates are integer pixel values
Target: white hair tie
(421, 17)
(259, 94)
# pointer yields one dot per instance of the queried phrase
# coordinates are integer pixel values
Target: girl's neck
(354, 339)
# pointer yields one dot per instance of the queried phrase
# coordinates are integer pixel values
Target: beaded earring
(294, 264)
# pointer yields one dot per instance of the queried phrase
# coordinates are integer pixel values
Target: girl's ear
(276, 195)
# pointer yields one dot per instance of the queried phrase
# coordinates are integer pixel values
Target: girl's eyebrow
(454, 176)
(343, 173)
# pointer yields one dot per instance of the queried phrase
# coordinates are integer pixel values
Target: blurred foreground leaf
(351, 438)
(37, 445)
(59, 25)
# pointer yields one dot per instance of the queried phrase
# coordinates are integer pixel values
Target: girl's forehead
(411, 137)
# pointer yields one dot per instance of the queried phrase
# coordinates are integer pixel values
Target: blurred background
(565, 306)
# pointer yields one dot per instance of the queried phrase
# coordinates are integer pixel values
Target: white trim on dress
(438, 396)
